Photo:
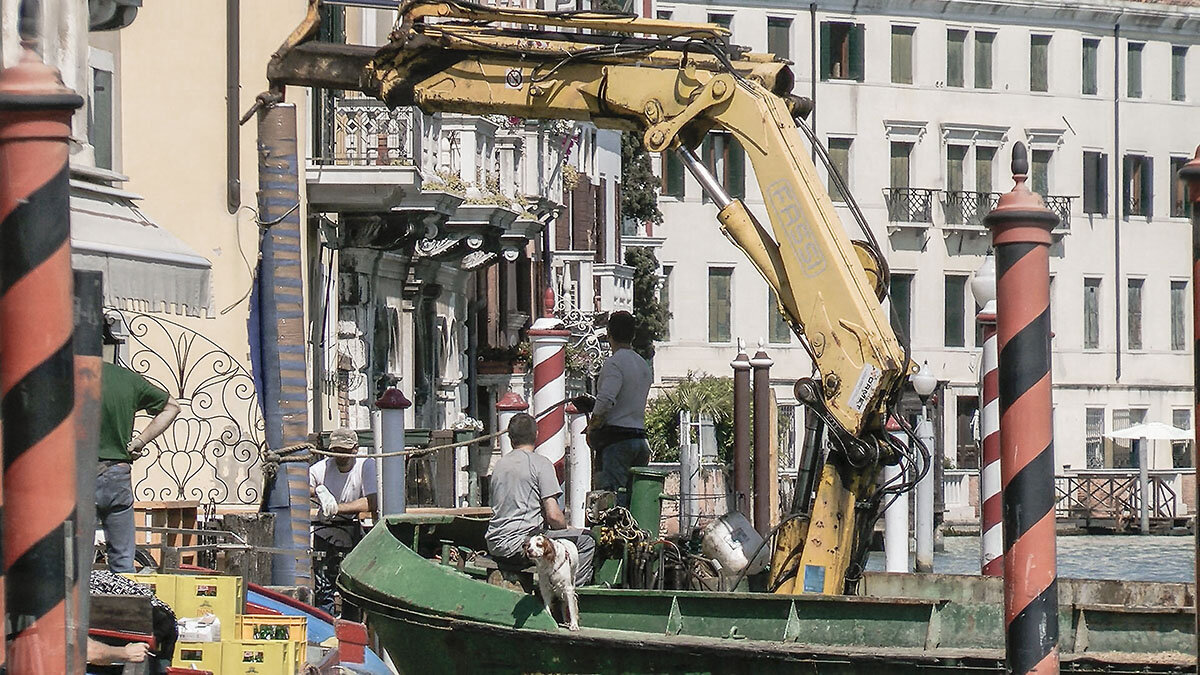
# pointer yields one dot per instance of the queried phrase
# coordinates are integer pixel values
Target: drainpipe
(741, 431)
(233, 130)
(1118, 191)
(812, 68)
(1191, 173)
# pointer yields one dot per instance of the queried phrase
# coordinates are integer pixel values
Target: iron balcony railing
(1061, 206)
(364, 131)
(909, 205)
(968, 208)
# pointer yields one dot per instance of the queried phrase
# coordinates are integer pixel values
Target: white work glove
(329, 505)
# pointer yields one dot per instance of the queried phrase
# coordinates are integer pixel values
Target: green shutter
(735, 169)
(672, 174)
(856, 52)
(826, 58)
(1126, 172)
(1102, 184)
(1148, 187)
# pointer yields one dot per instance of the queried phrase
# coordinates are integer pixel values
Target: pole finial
(548, 303)
(1020, 162)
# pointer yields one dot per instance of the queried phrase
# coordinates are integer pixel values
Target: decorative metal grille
(211, 453)
(963, 207)
(365, 132)
(1061, 206)
(586, 351)
(909, 205)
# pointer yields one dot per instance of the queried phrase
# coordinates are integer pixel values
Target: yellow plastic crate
(199, 656)
(220, 595)
(162, 585)
(257, 626)
(261, 657)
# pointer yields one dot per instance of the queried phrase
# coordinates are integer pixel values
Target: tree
(700, 395)
(649, 312)
(639, 185)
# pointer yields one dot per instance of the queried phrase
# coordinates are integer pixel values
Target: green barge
(435, 612)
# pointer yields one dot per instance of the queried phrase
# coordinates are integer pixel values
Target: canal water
(1126, 557)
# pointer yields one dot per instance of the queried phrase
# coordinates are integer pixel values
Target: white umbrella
(1150, 431)
(1153, 431)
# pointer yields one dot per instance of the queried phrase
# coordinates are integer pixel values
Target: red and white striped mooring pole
(549, 345)
(37, 367)
(991, 531)
(1021, 226)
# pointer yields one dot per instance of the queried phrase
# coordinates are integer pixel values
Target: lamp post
(991, 530)
(924, 382)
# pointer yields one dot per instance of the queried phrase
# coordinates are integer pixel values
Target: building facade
(919, 105)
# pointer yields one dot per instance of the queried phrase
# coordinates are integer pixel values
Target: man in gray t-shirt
(525, 493)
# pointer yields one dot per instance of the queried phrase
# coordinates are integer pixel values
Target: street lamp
(983, 285)
(924, 382)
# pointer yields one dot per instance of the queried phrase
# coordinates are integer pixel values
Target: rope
(279, 458)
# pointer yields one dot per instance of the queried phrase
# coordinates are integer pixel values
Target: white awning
(145, 267)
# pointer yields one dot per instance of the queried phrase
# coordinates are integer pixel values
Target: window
(672, 175)
(1039, 63)
(1139, 177)
(1091, 313)
(983, 60)
(1181, 201)
(1179, 73)
(1091, 65)
(1094, 437)
(1133, 70)
(724, 157)
(985, 158)
(1133, 313)
(723, 20)
(100, 117)
(1181, 451)
(955, 306)
(1179, 300)
(900, 152)
(664, 298)
(902, 52)
(779, 37)
(841, 51)
(720, 303)
(1123, 455)
(663, 14)
(839, 157)
(1095, 183)
(956, 157)
(900, 295)
(778, 331)
(956, 41)
(1039, 171)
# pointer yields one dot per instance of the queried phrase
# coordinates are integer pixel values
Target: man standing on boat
(344, 487)
(123, 394)
(525, 494)
(617, 429)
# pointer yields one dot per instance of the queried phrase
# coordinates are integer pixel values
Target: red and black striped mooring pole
(1021, 226)
(37, 365)
(1191, 173)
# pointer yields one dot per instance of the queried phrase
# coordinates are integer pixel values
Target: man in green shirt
(123, 394)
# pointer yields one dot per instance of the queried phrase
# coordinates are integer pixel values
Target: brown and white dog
(556, 561)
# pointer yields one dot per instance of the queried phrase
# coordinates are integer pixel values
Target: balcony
(909, 207)
(1061, 206)
(965, 210)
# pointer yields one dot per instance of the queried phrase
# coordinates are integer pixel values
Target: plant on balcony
(445, 181)
(570, 177)
(579, 363)
(649, 311)
(511, 359)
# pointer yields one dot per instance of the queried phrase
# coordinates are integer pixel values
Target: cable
(742, 575)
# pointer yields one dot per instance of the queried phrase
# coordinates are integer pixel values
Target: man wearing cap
(344, 487)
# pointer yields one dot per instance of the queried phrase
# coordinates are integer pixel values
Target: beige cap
(343, 438)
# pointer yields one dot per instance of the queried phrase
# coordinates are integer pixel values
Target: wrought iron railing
(366, 132)
(211, 453)
(909, 205)
(966, 207)
(1112, 496)
(1061, 206)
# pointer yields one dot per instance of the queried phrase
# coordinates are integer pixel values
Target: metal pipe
(991, 531)
(37, 371)
(1118, 193)
(281, 335)
(233, 129)
(761, 363)
(895, 516)
(812, 65)
(712, 187)
(741, 431)
(1020, 226)
(1143, 485)
(393, 403)
(89, 358)
(924, 498)
(689, 471)
(810, 459)
(1191, 173)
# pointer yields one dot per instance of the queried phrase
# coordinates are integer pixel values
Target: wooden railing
(1112, 496)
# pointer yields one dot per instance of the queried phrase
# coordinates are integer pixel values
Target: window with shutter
(723, 20)
(720, 303)
(841, 51)
(955, 311)
(779, 37)
(1039, 63)
(956, 41)
(1179, 73)
(1181, 451)
(1091, 313)
(1094, 437)
(839, 157)
(1133, 314)
(1091, 50)
(983, 59)
(1139, 177)
(735, 167)
(902, 50)
(956, 156)
(1095, 183)
(778, 331)
(900, 152)
(985, 158)
(1133, 70)
(900, 299)
(1178, 311)
(672, 180)
(1039, 170)
(1181, 202)
(857, 35)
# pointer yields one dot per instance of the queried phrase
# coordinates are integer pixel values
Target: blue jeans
(114, 513)
(616, 461)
